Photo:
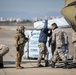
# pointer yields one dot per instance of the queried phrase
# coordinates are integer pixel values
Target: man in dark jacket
(42, 45)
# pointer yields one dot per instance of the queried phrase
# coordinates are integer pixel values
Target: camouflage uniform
(57, 36)
(43, 51)
(74, 44)
(20, 40)
(3, 50)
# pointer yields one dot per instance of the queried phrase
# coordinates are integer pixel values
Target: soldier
(42, 45)
(57, 36)
(3, 50)
(20, 40)
(74, 44)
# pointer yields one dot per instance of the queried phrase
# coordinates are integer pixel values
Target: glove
(17, 48)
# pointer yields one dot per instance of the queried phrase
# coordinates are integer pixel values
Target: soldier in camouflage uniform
(3, 50)
(57, 36)
(20, 40)
(74, 44)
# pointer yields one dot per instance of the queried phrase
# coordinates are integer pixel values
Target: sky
(28, 9)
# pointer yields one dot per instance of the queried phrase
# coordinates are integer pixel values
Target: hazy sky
(27, 9)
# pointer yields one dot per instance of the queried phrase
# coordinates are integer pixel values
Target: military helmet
(21, 29)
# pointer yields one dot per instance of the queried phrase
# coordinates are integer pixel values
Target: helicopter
(69, 12)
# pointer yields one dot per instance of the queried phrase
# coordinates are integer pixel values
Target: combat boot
(19, 67)
(46, 63)
(65, 65)
(38, 64)
(53, 64)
